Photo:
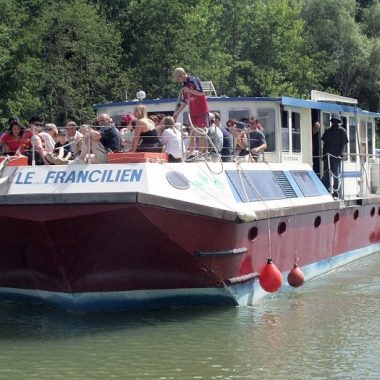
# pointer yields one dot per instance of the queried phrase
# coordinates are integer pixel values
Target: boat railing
(360, 178)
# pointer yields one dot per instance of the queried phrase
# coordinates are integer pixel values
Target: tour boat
(139, 232)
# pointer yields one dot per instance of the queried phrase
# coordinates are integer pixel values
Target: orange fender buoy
(296, 277)
(270, 278)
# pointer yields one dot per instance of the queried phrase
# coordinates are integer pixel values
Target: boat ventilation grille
(284, 183)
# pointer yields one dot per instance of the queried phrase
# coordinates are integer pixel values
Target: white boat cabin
(287, 126)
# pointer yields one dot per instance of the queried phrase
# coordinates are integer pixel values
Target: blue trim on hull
(249, 293)
(93, 302)
(242, 294)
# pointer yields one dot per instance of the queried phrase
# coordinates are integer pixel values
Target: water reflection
(329, 328)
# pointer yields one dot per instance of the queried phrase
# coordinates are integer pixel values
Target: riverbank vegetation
(58, 58)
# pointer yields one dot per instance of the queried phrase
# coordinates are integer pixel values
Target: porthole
(373, 210)
(336, 218)
(281, 228)
(317, 221)
(178, 180)
(356, 214)
(252, 234)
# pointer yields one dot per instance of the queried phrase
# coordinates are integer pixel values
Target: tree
(66, 60)
(350, 54)
(276, 55)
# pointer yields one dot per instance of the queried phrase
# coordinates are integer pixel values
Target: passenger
(11, 141)
(231, 125)
(215, 135)
(127, 131)
(193, 95)
(108, 134)
(49, 135)
(74, 137)
(240, 140)
(257, 141)
(32, 143)
(62, 147)
(171, 139)
(259, 125)
(226, 151)
(334, 141)
(146, 139)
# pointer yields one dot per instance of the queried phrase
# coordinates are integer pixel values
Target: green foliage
(59, 58)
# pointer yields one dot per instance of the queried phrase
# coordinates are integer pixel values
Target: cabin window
(266, 117)
(344, 122)
(296, 132)
(185, 118)
(238, 114)
(352, 138)
(285, 131)
(325, 120)
(369, 137)
(344, 125)
(362, 141)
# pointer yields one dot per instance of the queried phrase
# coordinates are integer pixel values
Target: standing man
(215, 135)
(227, 149)
(256, 140)
(334, 140)
(193, 95)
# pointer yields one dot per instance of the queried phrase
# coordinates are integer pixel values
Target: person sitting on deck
(127, 131)
(171, 139)
(97, 143)
(74, 137)
(11, 141)
(32, 143)
(48, 135)
(62, 146)
(108, 134)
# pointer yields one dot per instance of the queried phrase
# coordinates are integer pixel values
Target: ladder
(208, 88)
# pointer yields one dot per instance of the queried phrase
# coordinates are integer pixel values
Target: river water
(327, 329)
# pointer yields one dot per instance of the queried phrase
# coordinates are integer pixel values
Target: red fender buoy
(296, 277)
(270, 278)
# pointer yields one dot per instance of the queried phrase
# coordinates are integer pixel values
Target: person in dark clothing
(226, 152)
(334, 141)
(145, 139)
(63, 144)
(109, 134)
(256, 140)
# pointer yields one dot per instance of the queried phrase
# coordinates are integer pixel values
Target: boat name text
(82, 176)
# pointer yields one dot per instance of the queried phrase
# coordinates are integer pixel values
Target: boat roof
(285, 101)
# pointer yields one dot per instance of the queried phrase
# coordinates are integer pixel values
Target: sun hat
(336, 117)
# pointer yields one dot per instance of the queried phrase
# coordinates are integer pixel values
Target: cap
(71, 124)
(336, 117)
(211, 116)
(178, 72)
(240, 125)
(61, 132)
